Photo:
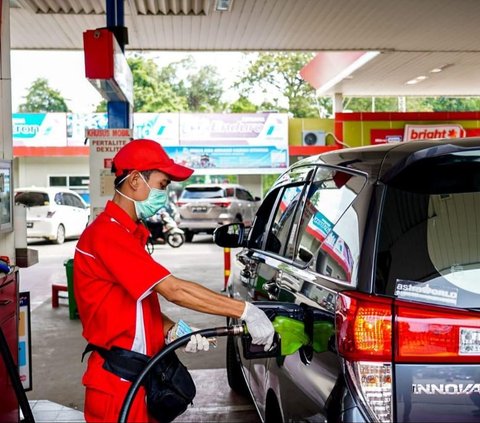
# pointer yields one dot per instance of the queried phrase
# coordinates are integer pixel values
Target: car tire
(273, 414)
(60, 239)
(188, 236)
(236, 379)
(175, 240)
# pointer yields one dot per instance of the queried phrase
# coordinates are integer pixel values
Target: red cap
(148, 155)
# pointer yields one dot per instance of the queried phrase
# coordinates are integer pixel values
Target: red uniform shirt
(113, 280)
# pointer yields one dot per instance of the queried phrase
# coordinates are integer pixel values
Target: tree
(242, 105)
(452, 104)
(41, 98)
(276, 76)
(178, 87)
(201, 86)
(151, 93)
(417, 104)
(371, 104)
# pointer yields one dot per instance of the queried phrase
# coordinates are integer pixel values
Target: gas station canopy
(422, 47)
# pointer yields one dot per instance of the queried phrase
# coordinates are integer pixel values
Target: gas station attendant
(117, 282)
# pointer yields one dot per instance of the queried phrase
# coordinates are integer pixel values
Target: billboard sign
(39, 129)
(77, 123)
(433, 132)
(161, 127)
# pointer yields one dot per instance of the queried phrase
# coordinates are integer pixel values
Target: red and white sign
(433, 132)
(104, 144)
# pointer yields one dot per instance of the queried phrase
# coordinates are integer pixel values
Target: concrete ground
(57, 343)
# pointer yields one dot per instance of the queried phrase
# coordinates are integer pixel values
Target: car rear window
(32, 199)
(202, 192)
(429, 239)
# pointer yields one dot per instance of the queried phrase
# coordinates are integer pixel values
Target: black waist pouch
(169, 385)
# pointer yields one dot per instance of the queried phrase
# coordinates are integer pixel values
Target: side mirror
(230, 236)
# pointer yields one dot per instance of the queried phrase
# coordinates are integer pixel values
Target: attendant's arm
(196, 297)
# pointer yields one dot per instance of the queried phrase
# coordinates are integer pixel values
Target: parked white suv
(205, 207)
(53, 213)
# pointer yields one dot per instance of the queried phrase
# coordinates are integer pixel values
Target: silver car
(205, 207)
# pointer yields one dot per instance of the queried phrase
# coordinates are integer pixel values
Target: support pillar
(337, 103)
(120, 114)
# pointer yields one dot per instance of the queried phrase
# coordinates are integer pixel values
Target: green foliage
(242, 105)
(451, 104)
(413, 104)
(276, 76)
(151, 93)
(101, 107)
(272, 77)
(41, 98)
(371, 104)
(200, 86)
(178, 87)
(267, 182)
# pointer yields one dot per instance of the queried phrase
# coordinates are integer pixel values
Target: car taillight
(433, 334)
(223, 204)
(180, 203)
(364, 327)
(364, 339)
(50, 214)
(373, 332)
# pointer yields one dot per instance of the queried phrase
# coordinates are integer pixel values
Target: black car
(376, 252)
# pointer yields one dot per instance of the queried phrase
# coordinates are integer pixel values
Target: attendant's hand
(259, 325)
(197, 342)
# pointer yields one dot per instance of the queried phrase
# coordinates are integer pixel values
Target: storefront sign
(77, 123)
(432, 132)
(237, 129)
(230, 158)
(161, 127)
(208, 142)
(39, 129)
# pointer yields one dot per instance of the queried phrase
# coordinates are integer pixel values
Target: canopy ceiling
(413, 37)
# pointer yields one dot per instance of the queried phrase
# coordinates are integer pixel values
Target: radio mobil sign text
(433, 132)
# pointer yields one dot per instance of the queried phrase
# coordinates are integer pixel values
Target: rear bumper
(42, 229)
(202, 225)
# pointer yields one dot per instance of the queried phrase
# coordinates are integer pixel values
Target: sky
(65, 72)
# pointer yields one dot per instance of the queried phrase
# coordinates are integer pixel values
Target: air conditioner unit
(313, 138)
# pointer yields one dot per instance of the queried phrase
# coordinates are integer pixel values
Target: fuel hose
(207, 333)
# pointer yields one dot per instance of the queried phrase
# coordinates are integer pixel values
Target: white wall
(36, 170)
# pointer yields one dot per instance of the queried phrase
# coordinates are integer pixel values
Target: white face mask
(156, 200)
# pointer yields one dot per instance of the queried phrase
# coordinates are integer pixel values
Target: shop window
(58, 181)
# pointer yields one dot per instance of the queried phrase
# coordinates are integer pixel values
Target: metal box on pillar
(106, 66)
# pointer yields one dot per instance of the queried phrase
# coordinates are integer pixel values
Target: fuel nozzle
(295, 325)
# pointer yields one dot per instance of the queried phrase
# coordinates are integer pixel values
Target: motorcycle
(164, 228)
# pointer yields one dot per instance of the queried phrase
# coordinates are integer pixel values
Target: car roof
(210, 185)
(50, 190)
(384, 161)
